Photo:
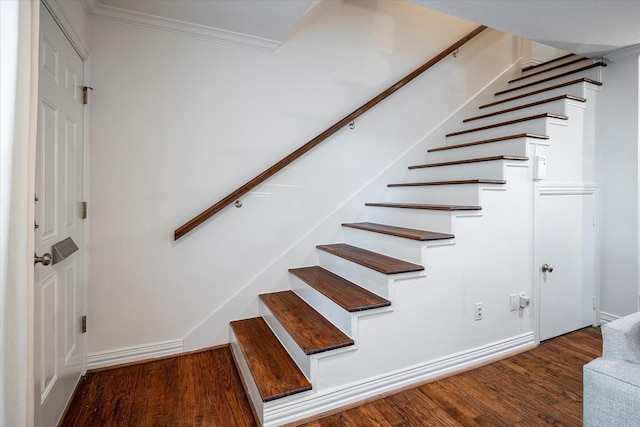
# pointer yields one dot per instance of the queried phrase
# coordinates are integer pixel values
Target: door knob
(547, 268)
(45, 259)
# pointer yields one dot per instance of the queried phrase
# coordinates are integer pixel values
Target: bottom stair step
(275, 373)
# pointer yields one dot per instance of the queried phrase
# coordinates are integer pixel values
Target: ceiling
(587, 27)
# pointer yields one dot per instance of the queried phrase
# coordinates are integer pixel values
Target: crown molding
(95, 10)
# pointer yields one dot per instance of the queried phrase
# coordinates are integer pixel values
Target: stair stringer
(389, 355)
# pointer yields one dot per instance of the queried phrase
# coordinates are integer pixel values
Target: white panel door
(566, 255)
(58, 293)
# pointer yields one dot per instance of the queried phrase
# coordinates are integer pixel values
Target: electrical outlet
(514, 302)
(478, 311)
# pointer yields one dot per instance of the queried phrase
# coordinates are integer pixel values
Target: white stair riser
(302, 360)
(576, 89)
(464, 194)
(396, 247)
(371, 280)
(323, 305)
(479, 170)
(511, 147)
(536, 126)
(593, 73)
(439, 221)
(554, 107)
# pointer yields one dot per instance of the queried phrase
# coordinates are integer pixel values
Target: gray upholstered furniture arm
(612, 382)
(621, 339)
(611, 393)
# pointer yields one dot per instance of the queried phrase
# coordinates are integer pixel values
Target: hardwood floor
(537, 388)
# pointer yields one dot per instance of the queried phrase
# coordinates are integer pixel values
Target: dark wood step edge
(341, 291)
(476, 160)
(311, 331)
(405, 233)
(489, 141)
(546, 70)
(521, 107)
(428, 207)
(510, 122)
(551, 61)
(381, 263)
(548, 79)
(457, 182)
(275, 373)
(546, 89)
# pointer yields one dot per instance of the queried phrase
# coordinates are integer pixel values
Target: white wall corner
(623, 53)
(119, 356)
(98, 11)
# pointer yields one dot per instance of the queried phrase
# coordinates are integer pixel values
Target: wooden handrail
(205, 215)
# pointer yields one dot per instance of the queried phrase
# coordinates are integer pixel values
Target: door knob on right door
(547, 268)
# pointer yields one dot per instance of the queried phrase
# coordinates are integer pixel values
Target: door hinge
(83, 210)
(85, 94)
(84, 324)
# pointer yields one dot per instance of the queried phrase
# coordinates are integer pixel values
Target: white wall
(178, 123)
(618, 139)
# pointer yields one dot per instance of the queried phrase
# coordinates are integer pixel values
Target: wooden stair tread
(546, 89)
(423, 206)
(521, 107)
(308, 328)
(375, 261)
(510, 122)
(551, 61)
(476, 160)
(555, 67)
(456, 182)
(406, 233)
(488, 141)
(275, 373)
(548, 79)
(346, 294)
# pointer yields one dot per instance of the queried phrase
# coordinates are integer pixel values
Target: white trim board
(607, 317)
(119, 356)
(293, 408)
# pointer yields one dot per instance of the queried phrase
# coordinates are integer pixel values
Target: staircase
(366, 320)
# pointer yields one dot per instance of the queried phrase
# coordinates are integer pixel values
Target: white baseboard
(294, 408)
(119, 356)
(607, 317)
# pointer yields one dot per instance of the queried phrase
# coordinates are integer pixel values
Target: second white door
(566, 235)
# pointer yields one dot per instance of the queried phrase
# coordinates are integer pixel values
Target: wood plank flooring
(538, 388)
